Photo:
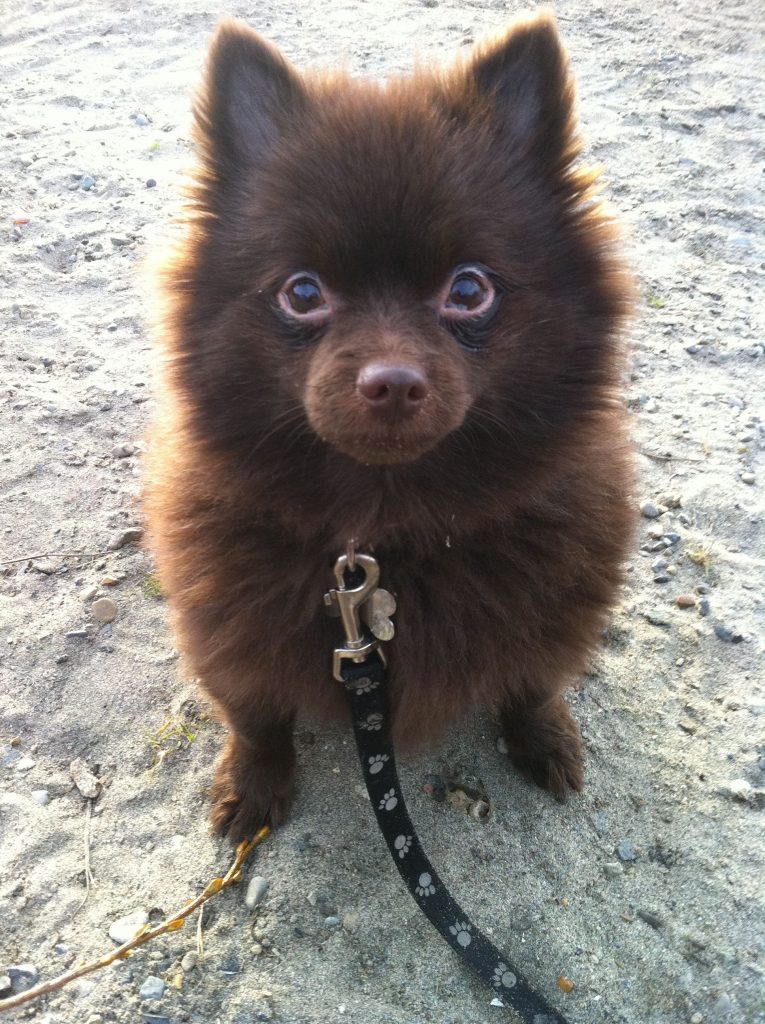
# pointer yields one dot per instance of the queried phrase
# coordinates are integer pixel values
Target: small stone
(351, 923)
(125, 928)
(613, 870)
(256, 890)
(649, 510)
(650, 919)
(151, 183)
(673, 538)
(655, 532)
(152, 988)
(84, 779)
(748, 478)
(23, 977)
(685, 601)
(5, 986)
(142, 120)
(739, 789)
(703, 607)
(728, 636)
(10, 758)
(659, 564)
(41, 797)
(626, 850)
(688, 725)
(230, 966)
(697, 1018)
(104, 610)
(86, 182)
(657, 617)
(257, 949)
(501, 745)
(45, 566)
(123, 451)
(88, 593)
(190, 960)
(122, 537)
(24, 764)
(331, 922)
(723, 1005)
(662, 578)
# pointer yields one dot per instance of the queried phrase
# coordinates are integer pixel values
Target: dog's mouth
(383, 448)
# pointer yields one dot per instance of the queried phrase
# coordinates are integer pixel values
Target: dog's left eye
(302, 297)
(470, 294)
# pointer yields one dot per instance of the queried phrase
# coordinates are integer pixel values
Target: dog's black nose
(394, 389)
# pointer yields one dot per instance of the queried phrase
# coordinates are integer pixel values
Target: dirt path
(647, 892)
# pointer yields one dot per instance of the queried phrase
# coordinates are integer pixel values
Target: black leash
(360, 666)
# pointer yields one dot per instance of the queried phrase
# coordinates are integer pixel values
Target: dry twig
(170, 924)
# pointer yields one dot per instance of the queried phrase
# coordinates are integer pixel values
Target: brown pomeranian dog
(395, 317)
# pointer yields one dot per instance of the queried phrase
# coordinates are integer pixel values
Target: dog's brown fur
(499, 513)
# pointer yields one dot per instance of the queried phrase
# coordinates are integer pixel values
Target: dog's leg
(255, 775)
(544, 743)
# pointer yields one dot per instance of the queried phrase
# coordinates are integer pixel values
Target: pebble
(703, 607)
(501, 745)
(76, 634)
(657, 617)
(24, 764)
(626, 850)
(351, 922)
(151, 183)
(84, 779)
(125, 928)
(723, 1005)
(697, 1018)
(659, 564)
(104, 610)
(662, 577)
(123, 451)
(142, 120)
(331, 922)
(685, 601)
(88, 593)
(86, 182)
(739, 789)
(41, 797)
(748, 478)
(728, 636)
(23, 977)
(256, 890)
(230, 966)
(152, 988)
(613, 869)
(649, 510)
(122, 537)
(257, 949)
(190, 960)
(673, 538)
(651, 919)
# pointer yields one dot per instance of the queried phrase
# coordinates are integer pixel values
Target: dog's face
(387, 267)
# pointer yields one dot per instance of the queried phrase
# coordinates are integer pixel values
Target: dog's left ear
(524, 76)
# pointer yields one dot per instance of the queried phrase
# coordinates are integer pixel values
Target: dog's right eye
(302, 297)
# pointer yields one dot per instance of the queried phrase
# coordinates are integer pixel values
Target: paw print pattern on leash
(376, 763)
(389, 801)
(461, 931)
(503, 976)
(426, 887)
(403, 845)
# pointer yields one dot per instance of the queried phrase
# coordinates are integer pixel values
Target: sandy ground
(647, 891)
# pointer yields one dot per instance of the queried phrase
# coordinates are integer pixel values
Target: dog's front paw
(545, 745)
(246, 796)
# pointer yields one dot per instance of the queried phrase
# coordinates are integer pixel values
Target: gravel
(256, 890)
(125, 928)
(152, 988)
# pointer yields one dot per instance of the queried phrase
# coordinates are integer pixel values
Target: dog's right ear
(249, 95)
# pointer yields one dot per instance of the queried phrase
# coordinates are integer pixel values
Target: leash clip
(348, 601)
